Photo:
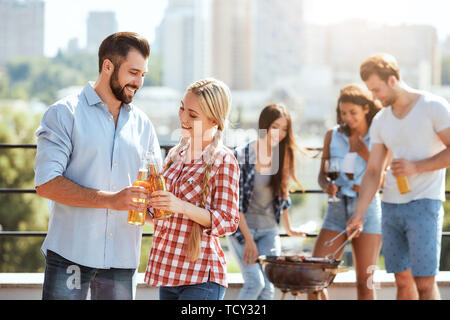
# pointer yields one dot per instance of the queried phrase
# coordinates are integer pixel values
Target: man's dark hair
(116, 47)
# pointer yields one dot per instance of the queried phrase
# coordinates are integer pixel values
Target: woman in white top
(348, 144)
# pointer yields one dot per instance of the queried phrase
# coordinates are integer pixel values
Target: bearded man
(89, 150)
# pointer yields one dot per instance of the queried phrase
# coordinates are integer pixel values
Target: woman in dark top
(266, 166)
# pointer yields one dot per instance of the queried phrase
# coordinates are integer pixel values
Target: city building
(184, 34)
(21, 29)
(100, 24)
(232, 43)
(333, 55)
(343, 46)
(278, 40)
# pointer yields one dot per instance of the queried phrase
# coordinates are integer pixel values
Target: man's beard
(390, 100)
(118, 91)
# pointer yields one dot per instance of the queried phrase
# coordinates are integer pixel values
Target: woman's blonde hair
(214, 97)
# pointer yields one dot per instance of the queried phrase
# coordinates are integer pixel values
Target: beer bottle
(402, 181)
(138, 217)
(403, 184)
(157, 183)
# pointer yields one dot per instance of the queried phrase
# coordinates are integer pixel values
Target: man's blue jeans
(66, 280)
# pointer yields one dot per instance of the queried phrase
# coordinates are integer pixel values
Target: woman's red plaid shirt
(167, 264)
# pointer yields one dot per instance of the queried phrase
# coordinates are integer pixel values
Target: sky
(66, 19)
(392, 12)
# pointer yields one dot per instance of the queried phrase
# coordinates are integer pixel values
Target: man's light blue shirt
(78, 139)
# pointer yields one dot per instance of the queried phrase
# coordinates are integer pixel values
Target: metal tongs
(329, 243)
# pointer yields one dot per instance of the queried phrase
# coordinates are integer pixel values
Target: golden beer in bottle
(138, 217)
(157, 182)
(402, 184)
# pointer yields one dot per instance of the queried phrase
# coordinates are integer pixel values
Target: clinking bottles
(138, 217)
(157, 183)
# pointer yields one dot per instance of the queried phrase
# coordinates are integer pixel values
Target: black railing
(17, 146)
(40, 234)
(145, 234)
(165, 147)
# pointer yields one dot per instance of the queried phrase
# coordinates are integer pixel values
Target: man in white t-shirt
(414, 131)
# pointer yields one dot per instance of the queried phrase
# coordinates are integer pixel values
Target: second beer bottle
(157, 182)
(137, 217)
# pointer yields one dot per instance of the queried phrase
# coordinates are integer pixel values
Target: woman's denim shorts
(339, 212)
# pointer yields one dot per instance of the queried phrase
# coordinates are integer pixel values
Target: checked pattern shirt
(167, 264)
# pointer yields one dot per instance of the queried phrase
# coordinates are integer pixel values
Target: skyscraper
(100, 24)
(414, 46)
(232, 43)
(279, 40)
(185, 42)
(21, 29)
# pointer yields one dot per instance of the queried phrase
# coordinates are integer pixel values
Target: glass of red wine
(332, 171)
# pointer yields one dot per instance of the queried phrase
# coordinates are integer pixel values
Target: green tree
(41, 78)
(154, 75)
(84, 62)
(19, 70)
(19, 212)
(4, 83)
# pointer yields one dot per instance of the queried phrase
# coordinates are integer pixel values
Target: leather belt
(355, 188)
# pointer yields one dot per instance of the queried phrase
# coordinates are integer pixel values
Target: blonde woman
(186, 260)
